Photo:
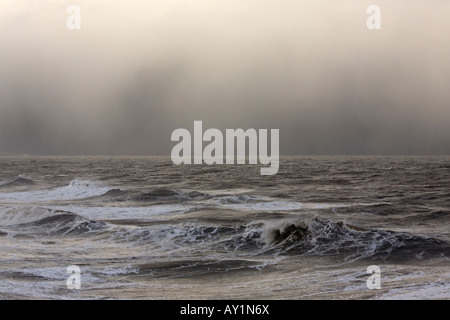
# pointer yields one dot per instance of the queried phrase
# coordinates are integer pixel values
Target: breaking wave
(77, 189)
(19, 181)
(305, 236)
(167, 194)
(46, 222)
(326, 237)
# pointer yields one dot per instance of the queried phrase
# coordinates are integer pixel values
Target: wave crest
(325, 237)
(42, 221)
(18, 181)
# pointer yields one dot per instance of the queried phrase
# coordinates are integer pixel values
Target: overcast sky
(138, 69)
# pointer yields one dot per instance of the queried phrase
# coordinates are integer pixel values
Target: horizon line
(281, 155)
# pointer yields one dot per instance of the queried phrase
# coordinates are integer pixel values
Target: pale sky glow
(139, 69)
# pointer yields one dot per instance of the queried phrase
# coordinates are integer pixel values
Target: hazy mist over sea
(136, 71)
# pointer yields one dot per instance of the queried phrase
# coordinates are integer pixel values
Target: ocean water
(141, 227)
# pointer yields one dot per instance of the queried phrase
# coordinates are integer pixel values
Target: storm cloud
(137, 70)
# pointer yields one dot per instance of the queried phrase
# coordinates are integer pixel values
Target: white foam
(53, 279)
(262, 204)
(52, 273)
(420, 286)
(127, 270)
(117, 213)
(227, 191)
(20, 215)
(431, 291)
(265, 206)
(77, 189)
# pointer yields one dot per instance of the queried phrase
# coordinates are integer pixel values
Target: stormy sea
(144, 228)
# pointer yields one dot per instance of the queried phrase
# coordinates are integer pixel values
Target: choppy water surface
(141, 227)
